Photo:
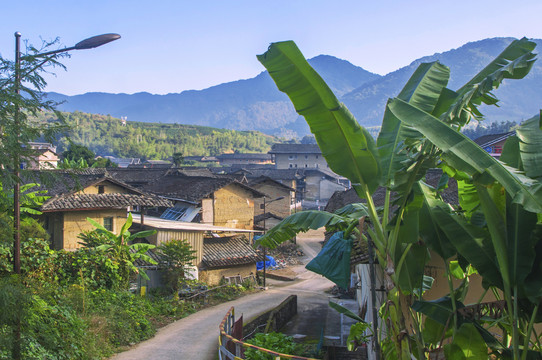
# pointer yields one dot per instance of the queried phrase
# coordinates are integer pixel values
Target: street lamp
(89, 43)
(264, 231)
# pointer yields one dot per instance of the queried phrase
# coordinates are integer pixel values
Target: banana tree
(122, 248)
(499, 233)
(398, 160)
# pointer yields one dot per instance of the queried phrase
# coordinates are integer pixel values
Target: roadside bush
(48, 329)
(277, 342)
(176, 256)
(127, 316)
(35, 252)
(87, 267)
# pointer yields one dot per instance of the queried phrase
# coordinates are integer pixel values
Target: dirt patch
(287, 254)
(286, 274)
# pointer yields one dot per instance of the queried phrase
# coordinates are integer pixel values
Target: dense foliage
(106, 135)
(276, 342)
(176, 256)
(496, 231)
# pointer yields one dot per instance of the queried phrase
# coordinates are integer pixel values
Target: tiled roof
(192, 172)
(275, 174)
(263, 179)
(268, 215)
(251, 156)
(137, 176)
(102, 201)
(63, 187)
(194, 188)
(318, 171)
(228, 251)
(58, 182)
(487, 140)
(295, 149)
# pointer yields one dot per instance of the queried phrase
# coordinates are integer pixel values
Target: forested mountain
(253, 104)
(105, 135)
(256, 104)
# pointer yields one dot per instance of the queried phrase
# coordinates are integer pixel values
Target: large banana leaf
(520, 226)
(514, 62)
(517, 49)
(530, 136)
(422, 90)
(471, 242)
(348, 148)
(354, 211)
(465, 155)
(430, 231)
(302, 222)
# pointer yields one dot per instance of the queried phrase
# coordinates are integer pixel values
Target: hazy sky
(168, 46)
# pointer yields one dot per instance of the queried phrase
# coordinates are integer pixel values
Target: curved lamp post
(89, 43)
(264, 231)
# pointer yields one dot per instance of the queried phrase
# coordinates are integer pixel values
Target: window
(306, 165)
(291, 165)
(292, 157)
(174, 213)
(101, 189)
(108, 223)
(317, 156)
(306, 157)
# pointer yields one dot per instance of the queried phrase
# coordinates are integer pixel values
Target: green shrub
(128, 316)
(273, 341)
(87, 267)
(49, 330)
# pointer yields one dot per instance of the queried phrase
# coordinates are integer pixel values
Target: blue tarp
(270, 263)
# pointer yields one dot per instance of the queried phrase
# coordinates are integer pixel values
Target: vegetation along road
(196, 336)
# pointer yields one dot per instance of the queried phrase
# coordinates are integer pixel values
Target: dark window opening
(108, 223)
(101, 189)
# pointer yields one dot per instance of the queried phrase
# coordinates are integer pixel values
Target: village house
(273, 190)
(219, 200)
(321, 184)
(124, 162)
(221, 253)
(298, 156)
(44, 156)
(244, 159)
(493, 143)
(76, 196)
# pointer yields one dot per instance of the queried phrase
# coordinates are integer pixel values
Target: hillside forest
(106, 135)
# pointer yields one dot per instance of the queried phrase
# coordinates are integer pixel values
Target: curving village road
(196, 336)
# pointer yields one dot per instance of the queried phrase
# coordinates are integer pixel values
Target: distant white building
(298, 156)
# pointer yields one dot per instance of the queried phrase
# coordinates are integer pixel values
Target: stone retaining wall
(274, 319)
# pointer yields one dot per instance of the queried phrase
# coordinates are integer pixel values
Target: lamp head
(96, 41)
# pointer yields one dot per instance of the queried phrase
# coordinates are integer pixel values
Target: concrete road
(196, 336)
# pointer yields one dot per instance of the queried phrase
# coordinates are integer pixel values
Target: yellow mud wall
(76, 222)
(233, 207)
(109, 188)
(213, 277)
(280, 207)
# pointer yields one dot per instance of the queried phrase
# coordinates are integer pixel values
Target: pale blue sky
(169, 46)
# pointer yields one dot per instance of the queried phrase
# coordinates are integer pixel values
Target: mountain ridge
(256, 103)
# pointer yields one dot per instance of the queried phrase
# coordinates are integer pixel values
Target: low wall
(274, 319)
